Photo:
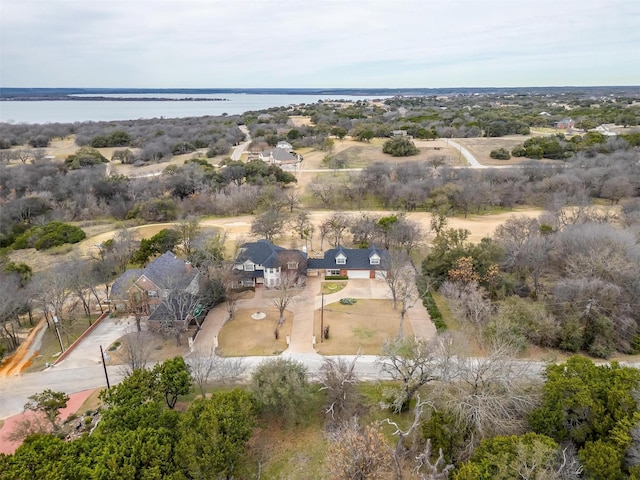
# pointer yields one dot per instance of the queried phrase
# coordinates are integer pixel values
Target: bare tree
(207, 368)
(336, 225)
(11, 303)
(269, 224)
(138, 306)
(413, 363)
(400, 276)
(188, 228)
(357, 452)
(136, 351)
(284, 292)
(489, 395)
(339, 380)
(430, 470)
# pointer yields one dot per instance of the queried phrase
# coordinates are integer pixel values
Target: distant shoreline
(98, 98)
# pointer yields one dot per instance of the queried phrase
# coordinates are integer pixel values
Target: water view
(69, 111)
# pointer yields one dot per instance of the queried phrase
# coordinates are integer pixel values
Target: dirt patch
(362, 327)
(300, 121)
(245, 336)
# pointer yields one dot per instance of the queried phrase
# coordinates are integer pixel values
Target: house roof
(279, 154)
(282, 144)
(120, 288)
(265, 253)
(168, 268)
(357, 259)
(262, 252)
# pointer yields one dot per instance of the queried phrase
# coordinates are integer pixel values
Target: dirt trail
(21, 359)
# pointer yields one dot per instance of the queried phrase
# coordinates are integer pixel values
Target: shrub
(400, 147)
(348, 301)
(500, 154)
(53, 234)
(434, 312)
(336, 277)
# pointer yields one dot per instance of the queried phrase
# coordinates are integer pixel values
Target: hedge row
(434, 312)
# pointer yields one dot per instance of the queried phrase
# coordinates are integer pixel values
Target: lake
(70, 111)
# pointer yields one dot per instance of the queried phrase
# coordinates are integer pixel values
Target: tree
(358, 453)
(400, 147)
(281, 389)
(207, 368)
(269, 224)
(49, 404)
(286, 289)
(136, 351)
(413, 363)
(174, 379)
(339, 380)
(400, 278)
(530, 456)
(188, 229)
(213, 434)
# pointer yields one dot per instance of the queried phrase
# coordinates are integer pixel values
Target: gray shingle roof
(357, 259)
(262, 252)
(168, 269)
(120, 288)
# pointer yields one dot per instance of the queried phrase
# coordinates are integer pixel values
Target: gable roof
(120, 288)
(357, 259)
(279, 154)
(262, 252)
(265, 253)
(169, 268)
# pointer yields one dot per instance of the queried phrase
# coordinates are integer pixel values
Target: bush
(400, 147)
(348, 301)
(336, 277)
(500, 154)
(434, 312)
(53, 234)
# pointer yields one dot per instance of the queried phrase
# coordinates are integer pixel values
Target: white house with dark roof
(279, 156)
(262, 262)
(351, 263)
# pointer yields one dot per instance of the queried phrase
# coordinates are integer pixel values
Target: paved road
(239, 149)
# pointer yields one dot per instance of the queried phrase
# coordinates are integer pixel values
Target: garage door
(358, 273)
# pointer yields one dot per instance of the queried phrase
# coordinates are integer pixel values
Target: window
(374, 260)
(333, 273)
(292, 265)
(153, 294)
(341, 260)
(249, 267)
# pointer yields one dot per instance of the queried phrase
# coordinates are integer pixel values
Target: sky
(318, 43)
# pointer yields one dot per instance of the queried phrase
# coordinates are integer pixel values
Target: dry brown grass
(160, 348)
(481, 147)
(362, 327)
(244, 336)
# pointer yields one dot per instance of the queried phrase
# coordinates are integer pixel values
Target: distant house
(279, 156)
(565, 123)
(164, 274)
(284, 145)
(262, 262)
(400, 133)
(351, 263)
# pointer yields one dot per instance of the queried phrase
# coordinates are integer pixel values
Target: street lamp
(55, 324)
(322, 320)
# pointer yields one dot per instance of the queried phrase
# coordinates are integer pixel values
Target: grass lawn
(447, 316)
(244, 336)
(50, 347)
(333, 286)
(362, 327)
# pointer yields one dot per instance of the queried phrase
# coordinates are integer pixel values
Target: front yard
(359, 328)
(246, 336)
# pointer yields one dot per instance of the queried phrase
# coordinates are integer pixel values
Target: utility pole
(55, 324)
(104, 365)
(322, 320)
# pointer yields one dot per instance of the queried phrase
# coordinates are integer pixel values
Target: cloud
(324, 43)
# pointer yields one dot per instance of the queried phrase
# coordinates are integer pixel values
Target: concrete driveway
(303, 307)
